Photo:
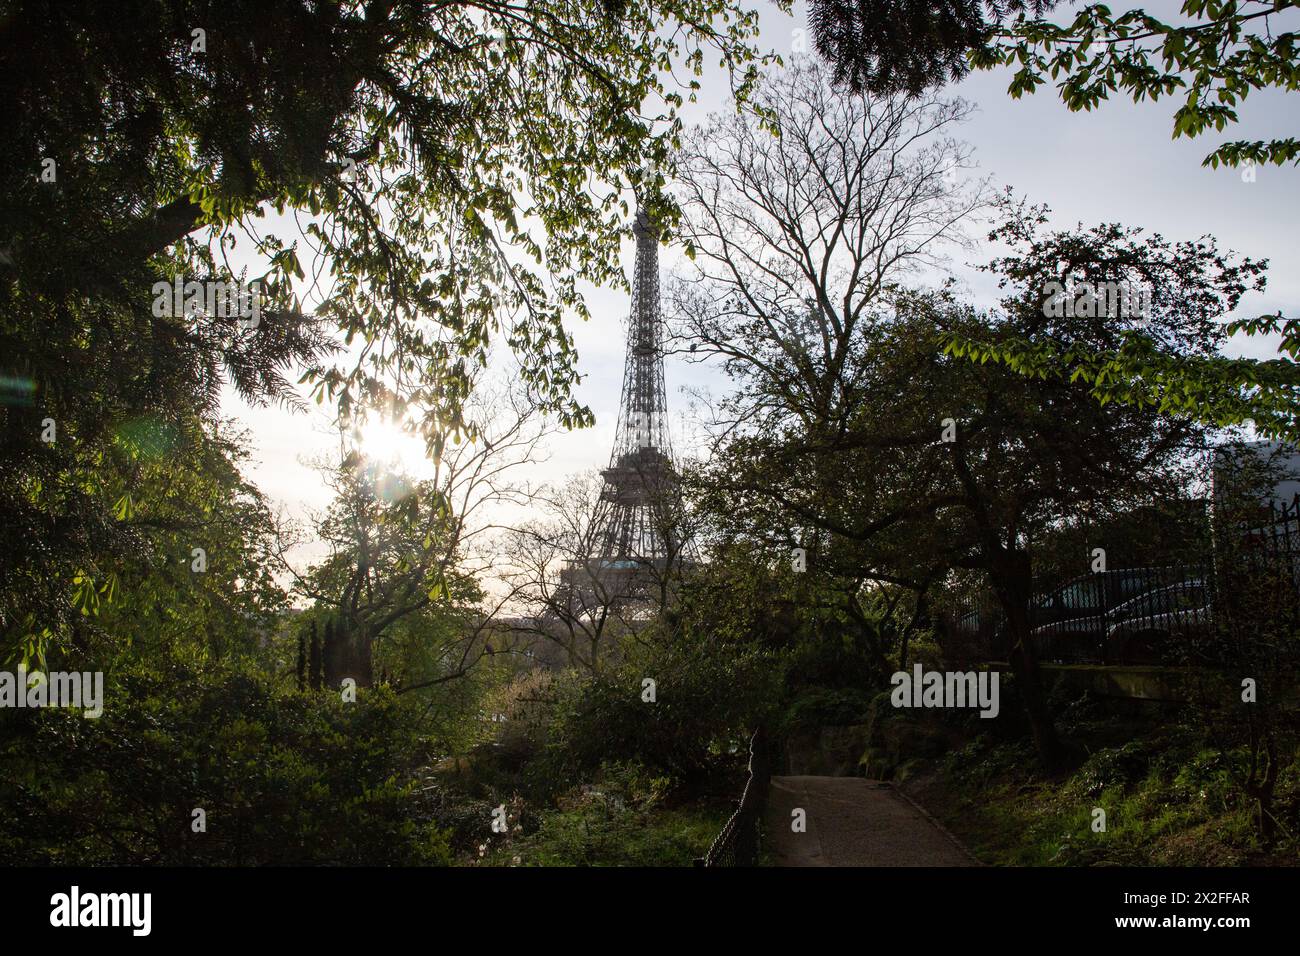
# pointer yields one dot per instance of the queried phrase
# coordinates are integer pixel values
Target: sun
(385, 442)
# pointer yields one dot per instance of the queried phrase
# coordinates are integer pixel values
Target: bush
(823, 707)
(708, 700)
(617, 820)
(283, 778)
(1113, 767)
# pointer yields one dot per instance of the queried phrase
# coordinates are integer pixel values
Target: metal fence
(1145, 615)
(741, 836)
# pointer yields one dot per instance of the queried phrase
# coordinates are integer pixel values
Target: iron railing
(739, 841)
(1128, 615)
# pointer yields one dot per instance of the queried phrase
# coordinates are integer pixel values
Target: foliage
(156, 492)
(890, 46)
(1215, 390)
(421, 159)
(284, 778)
(1214, 59)
(1227, 51)
(406, 154)
(827, 708)
(619, 819)
(688, 726)
(392, 544)
(1169, 800)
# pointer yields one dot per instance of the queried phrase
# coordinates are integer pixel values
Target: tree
(185, 569)
(803, 214)
(403, 548)
(559, 586)
(899, 504)
(900, 46)
(107, 414)
(1138, 369)
(1215, 61)
(414, 148)
(410, 133)
(539, 558)
(932, 463)
(799, 215)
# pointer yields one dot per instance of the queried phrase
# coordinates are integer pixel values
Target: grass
(1166, 798)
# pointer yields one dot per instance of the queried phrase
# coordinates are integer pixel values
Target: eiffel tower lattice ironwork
(640, 479)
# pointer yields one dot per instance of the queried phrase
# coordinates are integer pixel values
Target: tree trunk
(1011, 576)
(1262, 782)
(919, 616)
(348, 654)
(315, 671)
(363, 659)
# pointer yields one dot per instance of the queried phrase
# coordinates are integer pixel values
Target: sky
(1115, 164)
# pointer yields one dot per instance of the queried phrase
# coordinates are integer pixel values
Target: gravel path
(852, 821)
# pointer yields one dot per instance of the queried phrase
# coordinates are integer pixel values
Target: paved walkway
(852, 821)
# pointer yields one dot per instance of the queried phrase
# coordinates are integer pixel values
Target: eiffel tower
(637, 535)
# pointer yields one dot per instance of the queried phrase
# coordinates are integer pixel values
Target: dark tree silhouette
(906, 46)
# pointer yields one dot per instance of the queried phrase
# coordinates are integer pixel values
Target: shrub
(707, 701)
(617, 820)
(283, 778)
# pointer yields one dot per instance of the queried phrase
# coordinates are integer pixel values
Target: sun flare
(385, 442)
